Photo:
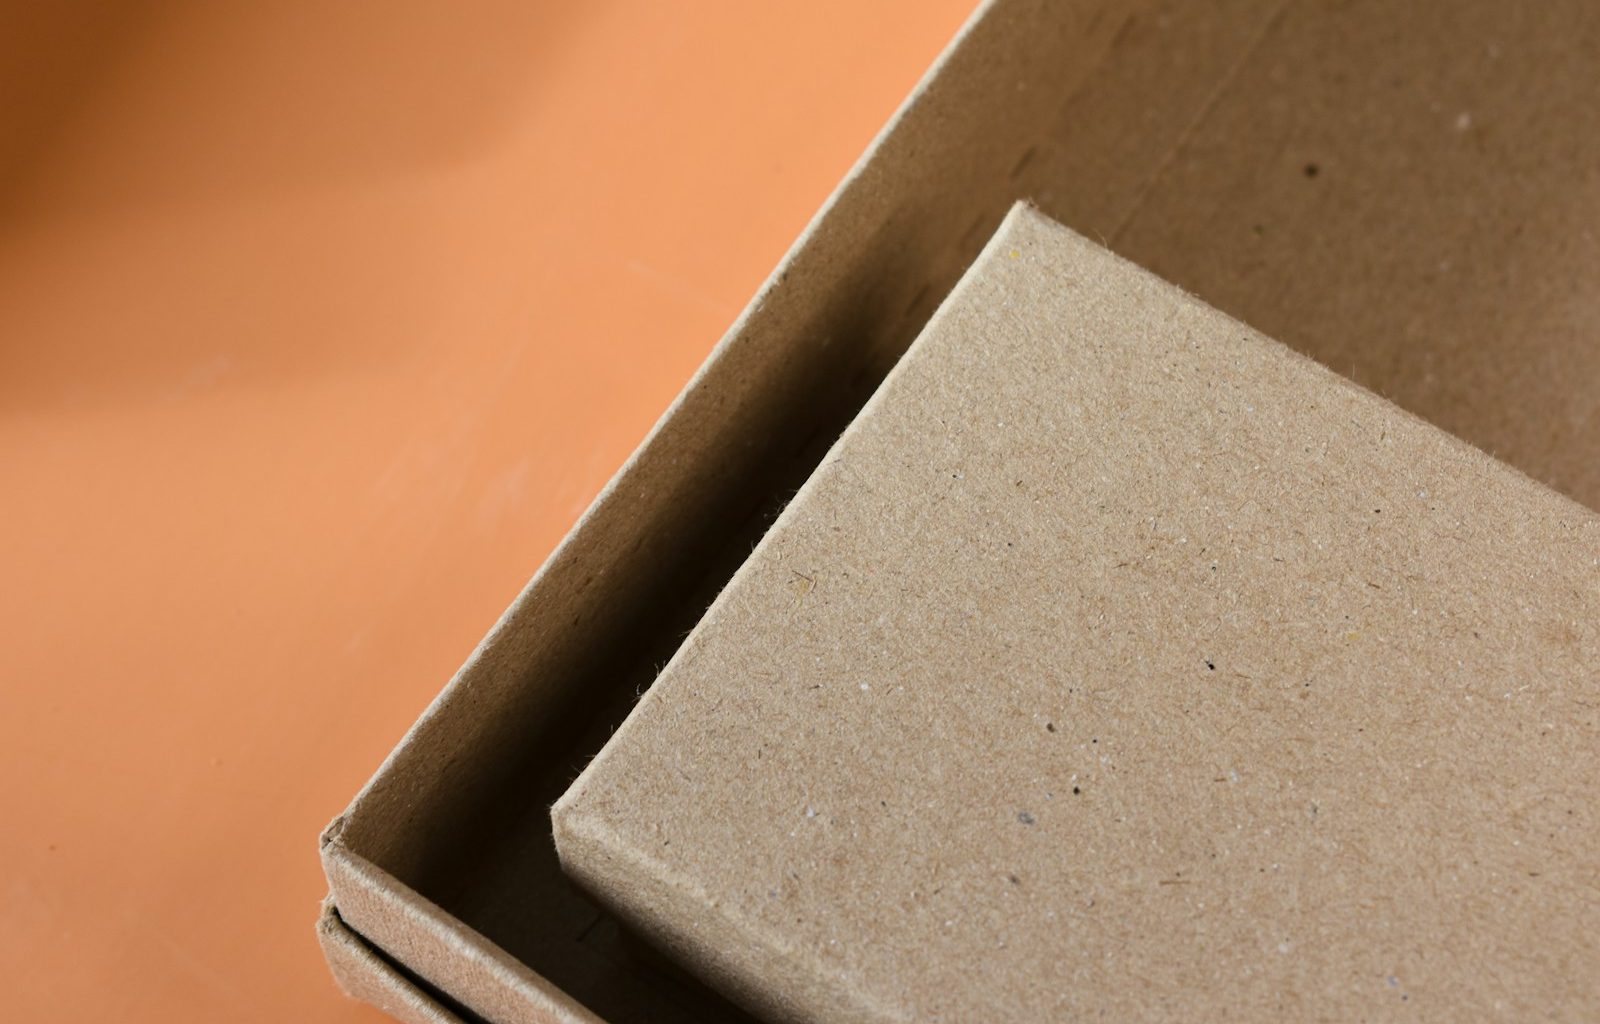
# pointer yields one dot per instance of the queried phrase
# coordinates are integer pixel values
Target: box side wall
(439, 949)
(363, 975)
(1404, 193)
(765, 978)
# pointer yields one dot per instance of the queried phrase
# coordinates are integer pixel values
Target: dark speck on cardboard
(1049, 727)
(1025, 817)
(1076, 791)
(1312, 170)
(1211, 665)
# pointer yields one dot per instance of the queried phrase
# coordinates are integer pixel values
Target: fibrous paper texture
(1119, 660)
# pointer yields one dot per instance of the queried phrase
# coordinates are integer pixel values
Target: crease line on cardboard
(1224, 83)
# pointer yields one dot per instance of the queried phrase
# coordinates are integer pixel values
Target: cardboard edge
(599, 865)
(567, 817)
(1025, 219)
(604, 867)
(363, 975)
(438, 948)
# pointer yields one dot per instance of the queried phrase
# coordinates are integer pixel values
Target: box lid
(1119, 659)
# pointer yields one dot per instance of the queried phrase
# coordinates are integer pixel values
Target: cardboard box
(1401, 191)
(1140, 668)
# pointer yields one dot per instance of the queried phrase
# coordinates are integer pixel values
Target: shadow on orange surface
(319, 324)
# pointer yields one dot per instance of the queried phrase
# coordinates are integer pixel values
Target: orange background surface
(319, 325)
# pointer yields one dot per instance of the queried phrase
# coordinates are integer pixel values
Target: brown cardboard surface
(1401, 191)
(1445, 266)
(1118, 660)
(366, 976)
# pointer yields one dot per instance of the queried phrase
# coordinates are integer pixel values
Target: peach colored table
(319, 323)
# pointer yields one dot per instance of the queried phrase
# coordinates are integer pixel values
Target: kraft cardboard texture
(1439, 259)
(366, 976)
(1119, 661)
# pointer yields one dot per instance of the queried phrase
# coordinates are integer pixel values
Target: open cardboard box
(1404, 192)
